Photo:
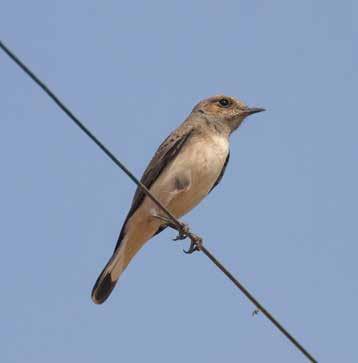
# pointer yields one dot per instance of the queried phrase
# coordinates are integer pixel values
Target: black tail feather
(103, 287)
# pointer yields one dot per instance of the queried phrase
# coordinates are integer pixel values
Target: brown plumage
(186, 167)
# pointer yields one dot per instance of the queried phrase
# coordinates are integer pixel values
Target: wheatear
(187, 166)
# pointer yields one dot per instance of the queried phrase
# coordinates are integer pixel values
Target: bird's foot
(183, 232)
(182, 228)
(195, 241)
(195, 244)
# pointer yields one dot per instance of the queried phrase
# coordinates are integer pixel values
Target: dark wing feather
(218, 180)
(166, 153)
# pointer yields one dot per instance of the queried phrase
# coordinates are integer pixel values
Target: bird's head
(225, 110)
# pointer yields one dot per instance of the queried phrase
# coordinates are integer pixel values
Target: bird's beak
(250, 110)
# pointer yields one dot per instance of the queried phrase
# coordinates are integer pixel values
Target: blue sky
(284, 218)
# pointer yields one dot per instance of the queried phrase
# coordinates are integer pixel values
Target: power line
(196, 241)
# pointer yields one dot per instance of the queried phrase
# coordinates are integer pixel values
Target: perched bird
(186, 167)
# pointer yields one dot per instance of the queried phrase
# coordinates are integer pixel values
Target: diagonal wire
(175, 223)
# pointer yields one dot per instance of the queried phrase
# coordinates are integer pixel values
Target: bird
(187, 166)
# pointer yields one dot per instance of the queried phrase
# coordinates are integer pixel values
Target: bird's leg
(166, 220)
(183, 233)
(182, 228)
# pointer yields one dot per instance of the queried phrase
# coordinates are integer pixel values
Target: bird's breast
(203, 160)
(207, 159)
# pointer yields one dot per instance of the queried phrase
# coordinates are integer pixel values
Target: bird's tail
(109, 276)
(129, 243)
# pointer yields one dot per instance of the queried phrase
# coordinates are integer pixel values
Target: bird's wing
(218, 180)
(165, 154)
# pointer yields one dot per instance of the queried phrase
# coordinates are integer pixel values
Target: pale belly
(202, 161)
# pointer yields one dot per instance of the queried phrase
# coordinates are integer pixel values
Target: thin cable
(85, 130)
(178, 225)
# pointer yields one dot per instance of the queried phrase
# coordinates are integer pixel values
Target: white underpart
(202, 162)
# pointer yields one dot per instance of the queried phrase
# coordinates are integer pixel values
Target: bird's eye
(224, 102)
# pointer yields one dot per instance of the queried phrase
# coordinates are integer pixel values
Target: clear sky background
(284, 218)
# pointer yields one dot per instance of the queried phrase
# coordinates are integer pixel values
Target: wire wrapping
(176, 224)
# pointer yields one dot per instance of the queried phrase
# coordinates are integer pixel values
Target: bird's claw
(192, 248)
(195, 244)
(182, 232)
